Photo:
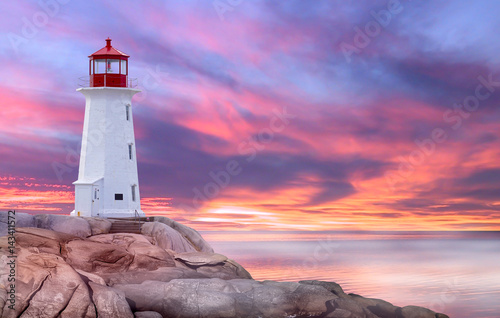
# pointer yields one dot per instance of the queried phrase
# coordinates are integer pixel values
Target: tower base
(115, 213)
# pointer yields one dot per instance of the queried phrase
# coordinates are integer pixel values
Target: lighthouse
(108, 184)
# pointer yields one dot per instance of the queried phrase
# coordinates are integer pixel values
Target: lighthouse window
(124, 67)
(119, 196)
(133, 193)
(127, 110)
(130, 151)
(113, 66)
(100, 66)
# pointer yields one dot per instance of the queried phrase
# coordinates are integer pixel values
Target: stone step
(132, 219)
(126, 227)
(131, 231)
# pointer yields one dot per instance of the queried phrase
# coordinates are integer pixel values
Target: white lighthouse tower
(108, 185)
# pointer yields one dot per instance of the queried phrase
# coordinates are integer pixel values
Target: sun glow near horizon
(371, 141)
(355, 213)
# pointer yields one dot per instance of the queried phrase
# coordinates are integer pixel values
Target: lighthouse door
(95, 200)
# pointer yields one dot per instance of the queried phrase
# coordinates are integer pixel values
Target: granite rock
(71, 267)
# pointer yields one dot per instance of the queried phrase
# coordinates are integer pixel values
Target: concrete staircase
(126, 225)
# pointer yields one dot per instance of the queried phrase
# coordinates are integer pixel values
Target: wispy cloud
(218, 84)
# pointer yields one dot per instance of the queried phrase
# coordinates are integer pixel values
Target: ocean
(457, 273)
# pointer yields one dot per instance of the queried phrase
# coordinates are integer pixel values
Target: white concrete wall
(105, 153)
(83, 204)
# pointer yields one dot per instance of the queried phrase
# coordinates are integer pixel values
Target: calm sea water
(457, 273)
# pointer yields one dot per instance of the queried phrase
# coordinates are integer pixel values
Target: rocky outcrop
(147, 314)
(213, 265)
(201, 258)
(330, 286)
(163, 272)
(48, 287)
(64, 224)
(188, 233)
(166, 237)
(181, 238)
(98, 225)
(147, 256)
(22, 220)
(109, 302)
(59, 223)
(233, 298)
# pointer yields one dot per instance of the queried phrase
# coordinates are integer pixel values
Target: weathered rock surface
(229, 269)
(98, 225)
(167, 271)
(89, 277)
(166, 237)
(48, 287)
(330, 286)
(21, 220)
(188, 233)
(416, 312)
(63, 223)
(42, 240)
(146, 255)
(147, 314)
(164, 274)
(379, 307)
(213, 265)
(182, 238)
(201, 258)
(233, 298)
(95, 257)
(109, 302)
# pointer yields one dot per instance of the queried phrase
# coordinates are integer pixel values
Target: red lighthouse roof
(108, 50)
(108, 67)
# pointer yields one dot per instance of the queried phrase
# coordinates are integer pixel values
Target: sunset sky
(330, 115)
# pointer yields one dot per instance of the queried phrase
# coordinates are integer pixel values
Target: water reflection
(452, 272)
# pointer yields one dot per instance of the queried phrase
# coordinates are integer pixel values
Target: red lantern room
(108, 67)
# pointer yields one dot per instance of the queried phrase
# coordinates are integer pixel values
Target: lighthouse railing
(137, 219)
(84, 81)
(132, 82)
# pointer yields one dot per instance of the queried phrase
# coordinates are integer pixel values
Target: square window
(119, 196)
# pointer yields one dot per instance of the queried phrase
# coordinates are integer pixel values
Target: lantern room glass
(124, 67)
(113, 66)
(100, 66)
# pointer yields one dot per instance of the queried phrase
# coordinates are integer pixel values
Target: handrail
(137, 219)
(132, 82)
(84, 81)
